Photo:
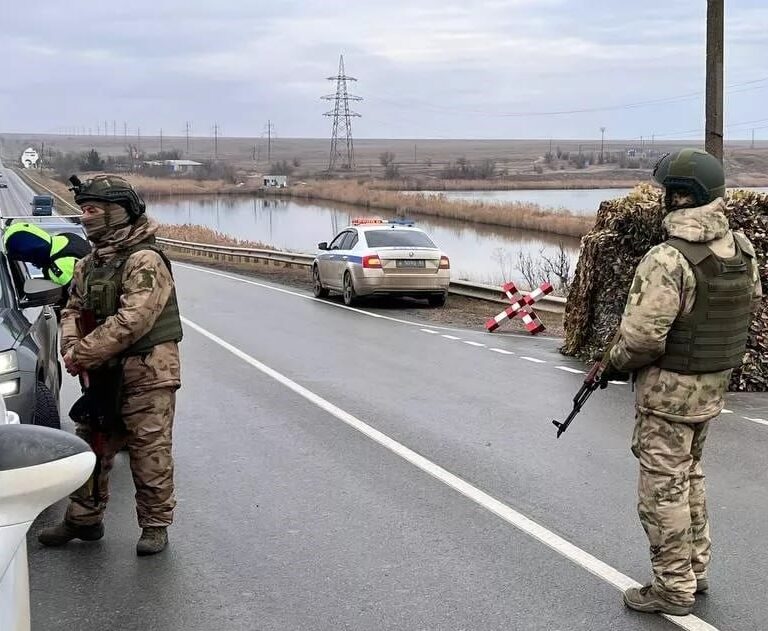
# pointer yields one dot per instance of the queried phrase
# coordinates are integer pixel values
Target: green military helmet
(692, 171)
(108, 188)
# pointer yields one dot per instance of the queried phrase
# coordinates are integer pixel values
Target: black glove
(612, 374)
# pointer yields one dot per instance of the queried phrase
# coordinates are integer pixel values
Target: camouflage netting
(625, 230)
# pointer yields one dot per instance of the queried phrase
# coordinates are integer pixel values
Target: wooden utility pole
(713, 139)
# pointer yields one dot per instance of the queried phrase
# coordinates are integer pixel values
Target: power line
(410, 104)
(342, 119)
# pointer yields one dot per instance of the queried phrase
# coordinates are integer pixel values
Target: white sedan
(377, 257)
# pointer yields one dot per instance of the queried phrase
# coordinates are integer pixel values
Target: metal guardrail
(477, 291)
(489, 293)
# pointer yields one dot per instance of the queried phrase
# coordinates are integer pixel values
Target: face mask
(95, 225)
(117, 218)
(100, 225)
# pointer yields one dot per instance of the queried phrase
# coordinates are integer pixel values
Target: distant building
(178, 167)
(275, 181)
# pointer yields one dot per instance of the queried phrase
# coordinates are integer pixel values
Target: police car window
(34, 272)
(336, 243)
(398, 238)
(349, 241)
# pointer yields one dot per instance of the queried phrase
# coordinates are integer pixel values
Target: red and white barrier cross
(521, 306)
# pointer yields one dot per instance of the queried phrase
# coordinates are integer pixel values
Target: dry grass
(552, 183)
(201, 234)
(514, 215)
(156, 186)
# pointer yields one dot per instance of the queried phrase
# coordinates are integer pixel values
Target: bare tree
(503, 259)
(531, 269)
(558, 265)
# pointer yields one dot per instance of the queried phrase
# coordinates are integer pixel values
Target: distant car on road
(3, 183)
(42, 205)
(378, 257)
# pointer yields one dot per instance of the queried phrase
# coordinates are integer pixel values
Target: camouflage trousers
(148, 419)
(672, 503)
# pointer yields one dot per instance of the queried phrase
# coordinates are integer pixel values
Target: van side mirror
(323, 245)
(39, 292)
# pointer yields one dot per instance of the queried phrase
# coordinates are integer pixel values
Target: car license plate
(411, 263)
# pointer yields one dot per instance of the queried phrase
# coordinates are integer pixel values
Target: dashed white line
(727, 411)
(575, 371)
(500, 351)
(329, 303)
(592, 564)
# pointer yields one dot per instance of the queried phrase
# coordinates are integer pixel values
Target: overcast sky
(425, 68)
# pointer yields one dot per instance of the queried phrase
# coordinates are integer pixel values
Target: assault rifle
(99, 406)
(591, 382)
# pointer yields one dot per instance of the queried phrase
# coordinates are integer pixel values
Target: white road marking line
(430, 331)
(533, 359)
(727, 411)
(451, 337)
(306, 296)
(563, 547)
(500, 351)
(477, 344)
(575, 371)
(760, 421)
(619, 383)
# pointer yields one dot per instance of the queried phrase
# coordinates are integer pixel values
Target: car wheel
(437, 300)
(350, 297)
(46, 408)
(317, 285)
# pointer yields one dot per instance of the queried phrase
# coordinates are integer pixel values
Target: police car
(377, 257)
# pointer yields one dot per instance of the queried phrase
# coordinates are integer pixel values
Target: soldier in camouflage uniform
(683, 330)
(125, 286)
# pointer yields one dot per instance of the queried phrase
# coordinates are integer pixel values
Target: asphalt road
(15, 199)
(316, 448)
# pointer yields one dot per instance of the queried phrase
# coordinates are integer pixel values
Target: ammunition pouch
(100, 407)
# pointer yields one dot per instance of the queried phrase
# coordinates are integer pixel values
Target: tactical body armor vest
(713, 336)
(104, 286)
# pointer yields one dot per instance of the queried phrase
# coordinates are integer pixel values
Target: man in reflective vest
(56, 255)
(120, 331)
(684, 329)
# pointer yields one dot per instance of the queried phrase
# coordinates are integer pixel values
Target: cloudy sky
(425, 68)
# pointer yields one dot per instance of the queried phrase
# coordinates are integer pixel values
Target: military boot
(153, 540)
(66, 531)
(702, 584)
(646, 599)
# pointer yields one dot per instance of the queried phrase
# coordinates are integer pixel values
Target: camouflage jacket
(664, 286)
(147, 285)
